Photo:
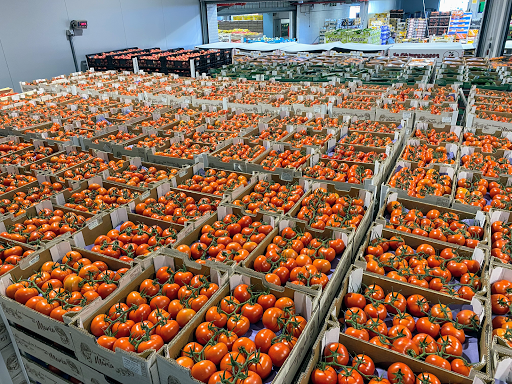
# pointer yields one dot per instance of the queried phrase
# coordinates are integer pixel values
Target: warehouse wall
(311, 19)
(33, 43)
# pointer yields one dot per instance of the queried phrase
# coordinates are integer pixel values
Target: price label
(407, 115)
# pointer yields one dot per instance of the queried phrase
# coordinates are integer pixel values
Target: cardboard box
(38, 373)
(58, 357)
(170, 371)
(479, 217)
(330, 333)
(129, 367)
(341, 263)
(192, 233)
(41, 324)
(255, 180)
(480, 254)
(473, 121)
(444, 201)
(9, 362)
(469, 175)
(353, 283)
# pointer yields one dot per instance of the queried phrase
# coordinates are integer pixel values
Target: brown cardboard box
(44, 325)
(129, 367)
(481, 254)
(368, 201)
(192, 233)
(443, 201)
(57, 357)
(356, 277)
(469, 175)
(480, 218)
(335, 279)
(9, 362)
(171, 372)
(38, 373)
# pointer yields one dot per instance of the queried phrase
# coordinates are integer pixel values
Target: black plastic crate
(106, 61)
(128, 63)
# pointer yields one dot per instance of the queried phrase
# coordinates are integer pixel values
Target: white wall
(311, 19)
(379, 6)
(33, 43)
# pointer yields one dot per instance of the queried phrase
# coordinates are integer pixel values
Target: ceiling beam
(228, 11)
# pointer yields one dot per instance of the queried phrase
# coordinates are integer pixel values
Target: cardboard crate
(62, 198)
(62, 359)
(129, 367)
(41, 324)
(366, 196)
(214, 160)
(227, 196)
(182, 175)
(444, 201)
(487, 124)
(9, 364)
(480, 253)
(338, 270)
(305, 305)
(250, 189)
(284, 173)
(34, 212)
(479, 218)
(106, 222)
(428, 127)
(353, 282)
(192, 233)
(330, 333)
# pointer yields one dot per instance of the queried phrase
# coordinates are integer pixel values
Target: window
(452, 5)
(354, 10)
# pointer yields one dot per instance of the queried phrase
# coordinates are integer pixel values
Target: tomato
(273, 319)
(417, 305)
(450, 344)
(460, 367)
(354, 300)
(400, 373)
(232, 361)
(376, 311)
(263, 366)
(219, 376)
(358, 333)
(425, 325)
(406, 320)
(364, 364)
(168, 330)
(278, 352)
(326, 375)
(215, 352)
(439, 361)
(467, 317)
(263, 339)
(500, 304)
(451, 329)
(356, 315)
(349, 376)
(406, 346)
(124, 344)
(426, 377)
(203, 370)
(238, 324)
(204, 332)
(340, 352)
(253, 312)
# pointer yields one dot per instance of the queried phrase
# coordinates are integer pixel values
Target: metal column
(493, 32)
